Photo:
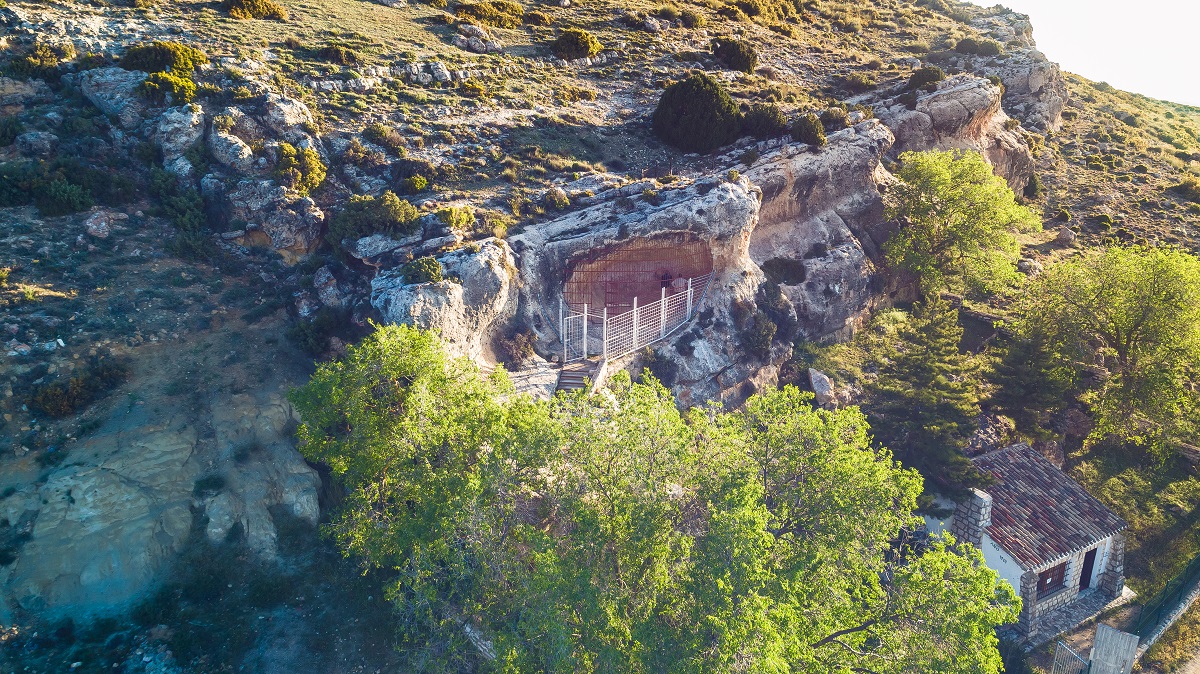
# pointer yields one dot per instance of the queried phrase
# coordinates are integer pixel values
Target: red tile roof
(1039, 515)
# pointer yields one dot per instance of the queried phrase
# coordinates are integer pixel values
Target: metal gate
(1067, 661)
(588, 333)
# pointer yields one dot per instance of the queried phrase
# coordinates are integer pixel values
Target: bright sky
(1146, 46)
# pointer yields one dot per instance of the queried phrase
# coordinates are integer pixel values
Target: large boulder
(962, 113)
(265, 472)
(819, 227)
(468, 310)
(115, 92)
(178, 130)
(1034, 89)
(23, 92)
(36, 143)
(103, 525)
(278, 219)
(288, 117)
(231, 151)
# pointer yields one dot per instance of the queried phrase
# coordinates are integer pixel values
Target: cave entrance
(613, 277)
(619, 299)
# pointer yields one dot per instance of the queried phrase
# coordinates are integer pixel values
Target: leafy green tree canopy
(957, 222)
(612, 532)
(1133, 313)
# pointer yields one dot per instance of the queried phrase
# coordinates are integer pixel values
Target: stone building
(1042, 532)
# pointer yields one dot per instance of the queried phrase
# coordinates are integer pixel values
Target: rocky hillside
(195, 203)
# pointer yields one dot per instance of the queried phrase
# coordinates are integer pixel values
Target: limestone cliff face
(103, 526)
(477, 298)
(1034, 89)
(810, 220)
(720, 214)
(821, 224)
(963, 113)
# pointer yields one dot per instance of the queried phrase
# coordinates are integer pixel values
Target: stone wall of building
(972, 515)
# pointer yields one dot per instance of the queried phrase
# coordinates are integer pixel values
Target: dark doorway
(1085, 577)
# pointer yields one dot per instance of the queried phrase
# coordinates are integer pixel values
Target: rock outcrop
(279, 219)
(467, 310)
(264, 472)
(820, 226)
(722, 215)
(962, 113)
(115, 92)
(231, 151)
(101, 526)
(178, 130)
(1034, 89)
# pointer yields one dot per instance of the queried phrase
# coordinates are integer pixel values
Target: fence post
(562, 329)
(604, 332)
(689, 301)
(662, 315)
(585, 307)
(635, 322)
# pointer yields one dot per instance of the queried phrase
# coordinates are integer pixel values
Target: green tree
(612, 532)
(925, 402)
(957, 222)
(1133, 313)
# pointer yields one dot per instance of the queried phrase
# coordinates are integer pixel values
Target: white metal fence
(590, 333)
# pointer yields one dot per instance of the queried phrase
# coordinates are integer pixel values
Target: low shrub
(835, 119)
(157, 57)
(979, 47)
(366, 215)
(185, 209)
(341, 55)
(387, 137)
(856, 83)
(497, 13)
(40, 62)
(423, 270)
(733, 13)
(255, 9)
(67, 396)
(312, 336)
(764, 120)
(60, 197)
(167, 88)
(515, 348)
(575, 43)
(359, 155)
(736, 54)
(1188, 188)
(458, 218)
(10, 128)
(414, 184)
(1034, 188)
(667, 13)
(696, 115)
(300, 169)
(925, 77)
(693, 19)
(808, 129)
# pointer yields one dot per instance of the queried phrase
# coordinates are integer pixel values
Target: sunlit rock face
(962, 113)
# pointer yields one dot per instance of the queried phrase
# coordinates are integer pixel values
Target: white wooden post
(604, 332)
(662, 314)
(635, 322)
(562, 329)
(585, 331)
(689, 300)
